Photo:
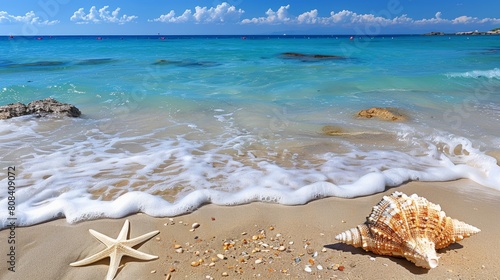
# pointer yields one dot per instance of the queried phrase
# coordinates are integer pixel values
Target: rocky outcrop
(434, 34)
(39, 108)
(381, 113)
(12, 110)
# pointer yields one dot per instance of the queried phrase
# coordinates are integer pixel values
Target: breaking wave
(489, 74)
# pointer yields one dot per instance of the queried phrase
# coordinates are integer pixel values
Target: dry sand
(306, 233)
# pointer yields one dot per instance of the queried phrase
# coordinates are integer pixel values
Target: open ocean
(169, 125)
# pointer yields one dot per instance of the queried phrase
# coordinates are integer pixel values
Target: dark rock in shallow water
(309, 57)
(39, 108)
(385, 114)
(95, 61)
(186, 63)
(38, 64)
(52, 106)
(12, 110)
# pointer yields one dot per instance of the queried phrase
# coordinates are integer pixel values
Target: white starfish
(117, 248)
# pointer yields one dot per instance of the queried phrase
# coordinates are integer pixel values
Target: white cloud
(170, 17)
(489, 20)
(221, 13)
(101, 15)
(436, 19)
(458, 20)
(280, 16)
(350, 18)
(464, 20)
(29, 18)
(310, 17)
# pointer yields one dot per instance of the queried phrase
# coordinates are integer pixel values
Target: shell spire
(409, 227)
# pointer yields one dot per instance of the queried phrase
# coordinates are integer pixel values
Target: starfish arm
(137, 254)
(123, 233)
(95, 257)
(106, 240)
(134, 241)
(114, 263)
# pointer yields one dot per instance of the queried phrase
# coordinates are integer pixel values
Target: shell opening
(433, 262)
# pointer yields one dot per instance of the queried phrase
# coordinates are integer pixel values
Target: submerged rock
(186, 63)
(381, 113)
(38, 64)
(309, 57)
(331, 130)
(12, 110)
(95, 61)
(39, 108)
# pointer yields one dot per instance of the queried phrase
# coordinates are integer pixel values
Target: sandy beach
(263, 241)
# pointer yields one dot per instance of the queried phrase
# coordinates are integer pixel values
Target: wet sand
(263, 241)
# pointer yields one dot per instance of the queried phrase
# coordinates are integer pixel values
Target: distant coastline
(495, 31)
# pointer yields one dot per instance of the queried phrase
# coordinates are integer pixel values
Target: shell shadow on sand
(358, 251)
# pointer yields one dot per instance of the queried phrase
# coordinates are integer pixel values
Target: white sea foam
(167, 173)
(489, 74)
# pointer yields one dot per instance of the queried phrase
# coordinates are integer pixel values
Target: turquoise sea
(172, 123)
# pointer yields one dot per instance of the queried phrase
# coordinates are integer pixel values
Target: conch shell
(407, 226)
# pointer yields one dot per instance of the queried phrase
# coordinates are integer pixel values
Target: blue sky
(177, 17)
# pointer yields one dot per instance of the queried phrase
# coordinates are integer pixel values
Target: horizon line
(243, 35)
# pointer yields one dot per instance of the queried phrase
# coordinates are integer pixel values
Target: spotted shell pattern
(409, 227)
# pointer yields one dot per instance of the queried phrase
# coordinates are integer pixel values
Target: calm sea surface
(170, 124)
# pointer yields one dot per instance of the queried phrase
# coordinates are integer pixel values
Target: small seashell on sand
(407, 226)
(257, 261)
(307, 269)
(195, 225)
(281, 248)
(221, 256)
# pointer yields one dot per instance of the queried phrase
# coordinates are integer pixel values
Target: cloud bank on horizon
(226, 13)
